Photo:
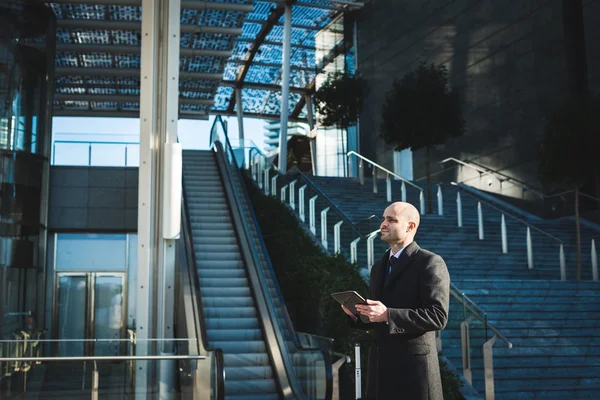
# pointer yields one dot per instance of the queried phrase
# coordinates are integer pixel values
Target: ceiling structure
(225, 44)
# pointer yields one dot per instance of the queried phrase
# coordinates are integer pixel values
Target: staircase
(551, 323)
(231, 318)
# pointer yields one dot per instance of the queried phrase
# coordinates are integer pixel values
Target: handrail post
(361, 172)
(293, 194)
(594, 261)
(95, 382)
(266, 180)
(311, 214)
(337, 237)
(488, 367)
(403, 191)
(422, 203)
(440, 200)
(465, 340)
(90, 155)
(374, 175)
(324, 228)
(301, 203)
(459, 210)
(480, 220)
(388, 188)
(283, 190)
(274, 186)
(503, 233)
(354, 250)
(371, 251)
(529, 249)
(563, 265)
(350, 166)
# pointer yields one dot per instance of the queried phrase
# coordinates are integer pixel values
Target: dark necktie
(391, 263)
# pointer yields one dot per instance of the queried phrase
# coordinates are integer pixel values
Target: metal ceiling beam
(269, 117)
(125, 49)
(185, 4)
(274, 43)
(99, 24)
(266, 28)
(296, 26)
(128, 73)
(122, 98)
(264, 64)
(336, 5)
(117, 114)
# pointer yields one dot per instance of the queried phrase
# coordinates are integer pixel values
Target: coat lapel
(378, 276)
(403, 262)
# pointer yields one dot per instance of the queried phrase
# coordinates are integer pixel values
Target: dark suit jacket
(403, 362)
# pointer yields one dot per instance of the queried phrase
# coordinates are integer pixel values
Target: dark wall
(93, 198)
(507, 58)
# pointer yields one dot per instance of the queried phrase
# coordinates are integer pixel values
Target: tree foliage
(339, 100)
(421, 110)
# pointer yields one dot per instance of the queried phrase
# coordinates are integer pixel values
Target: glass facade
(27, 56)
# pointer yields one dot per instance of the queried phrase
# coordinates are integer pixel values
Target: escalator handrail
(197, 300)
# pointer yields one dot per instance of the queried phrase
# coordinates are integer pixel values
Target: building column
(160, 164)
(285, 87)
(240, 115)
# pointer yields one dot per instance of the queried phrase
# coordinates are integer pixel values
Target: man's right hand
(349, 313)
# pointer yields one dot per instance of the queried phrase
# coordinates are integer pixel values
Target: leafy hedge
(307, 275)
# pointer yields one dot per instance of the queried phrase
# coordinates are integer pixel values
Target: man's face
(394, 226)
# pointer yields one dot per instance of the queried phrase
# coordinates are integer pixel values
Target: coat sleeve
(434, 295)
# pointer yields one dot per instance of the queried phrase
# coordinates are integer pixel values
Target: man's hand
(349, 313)
(375, 310)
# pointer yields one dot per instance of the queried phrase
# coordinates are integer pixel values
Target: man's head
(399, 225)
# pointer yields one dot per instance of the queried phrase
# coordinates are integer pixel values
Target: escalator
(239, 303)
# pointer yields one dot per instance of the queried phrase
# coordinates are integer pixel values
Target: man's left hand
(375, 310)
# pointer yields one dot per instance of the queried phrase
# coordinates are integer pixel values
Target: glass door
(90, 306)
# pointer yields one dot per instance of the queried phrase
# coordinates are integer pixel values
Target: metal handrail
(508, 214)
(461, 299)
(486, 170)
(373, 163)
(101, 358)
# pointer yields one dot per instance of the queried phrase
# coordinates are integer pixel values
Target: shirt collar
(398, 253)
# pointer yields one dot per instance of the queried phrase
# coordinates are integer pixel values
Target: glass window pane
(133, 155)
(108, 155)
(71, 314)
(90, 252)
(108, 314)
(71, 154)
(132, 281)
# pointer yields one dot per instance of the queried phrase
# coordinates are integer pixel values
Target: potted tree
(568, 152)
(422, 111)
(339, 100)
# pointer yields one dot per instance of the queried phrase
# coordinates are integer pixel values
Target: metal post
(337, 237)
(324, 227)
(388, 188)
(466, 349)
(594, 261)
(293, 194)
(374, 180)
(283, 190)
(354, 250)
(358, 377)
(403, 191)
(503, 234)
(459, 210)
(95, 382)
(274, 186)
(440, 201)
(350, 166)
(266, 175)
(240, 114)
(563, 265)
(371, 250)
(312, 140)
(422, 203)
(480, 220)
(361, 172)
(311, 214)
(529, 249)
(488, 368)
(301, 203)
(285, 86)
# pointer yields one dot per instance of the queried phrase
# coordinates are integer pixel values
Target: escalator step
(259, 386)
(230, 312)
(235, 323)
(244, 373)
(236, 334)
(256, 346)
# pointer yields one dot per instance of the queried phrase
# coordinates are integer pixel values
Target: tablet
(350, 299)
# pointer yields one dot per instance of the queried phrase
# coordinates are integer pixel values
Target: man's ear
(412, 226)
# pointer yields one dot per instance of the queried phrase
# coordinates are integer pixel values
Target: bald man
(408, 302)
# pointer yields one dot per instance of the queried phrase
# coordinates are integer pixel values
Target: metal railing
(83, 153)
(503, 229)
(388, 177)
(470, 307)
